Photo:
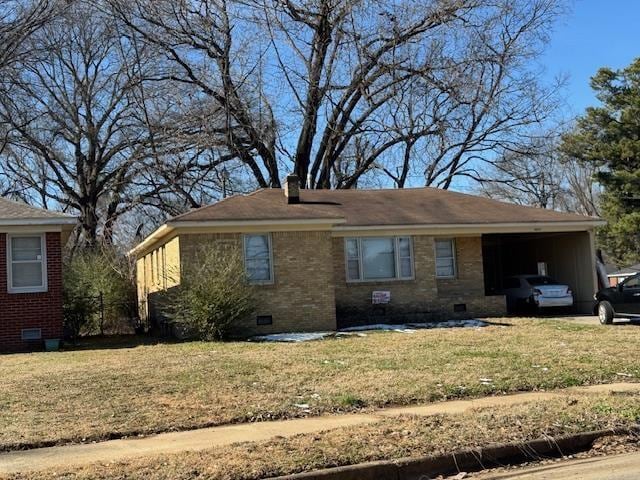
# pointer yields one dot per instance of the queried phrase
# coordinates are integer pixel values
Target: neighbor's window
(383, 258)
(445, 258)
(257, 258)
(27, 268)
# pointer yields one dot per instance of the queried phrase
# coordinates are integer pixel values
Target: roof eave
(158, 234)
(27, 222)
(515, 227)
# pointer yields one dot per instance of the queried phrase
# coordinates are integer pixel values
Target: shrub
(99, 293)
(213, 295)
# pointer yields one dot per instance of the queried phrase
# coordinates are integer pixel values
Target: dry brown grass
(389, 439)
(100, 393)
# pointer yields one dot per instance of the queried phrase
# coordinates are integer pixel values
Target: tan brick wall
(310, 283)
(424, 297)
(156, 272)
(468, 286)
(301, 297)
(469, 279)
(353, 300)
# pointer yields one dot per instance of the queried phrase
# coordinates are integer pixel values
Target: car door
(630, 296)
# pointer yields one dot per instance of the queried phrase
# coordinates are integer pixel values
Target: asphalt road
(616, 467)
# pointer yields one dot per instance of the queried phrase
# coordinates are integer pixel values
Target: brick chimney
(292, 188)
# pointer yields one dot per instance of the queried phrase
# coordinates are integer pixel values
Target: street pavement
(616, 467)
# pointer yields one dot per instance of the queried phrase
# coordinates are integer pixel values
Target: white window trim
(39, 289)
(271, 280)
(455, 259)
(396, 253)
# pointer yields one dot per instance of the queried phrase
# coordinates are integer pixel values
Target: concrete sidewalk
(193, 440)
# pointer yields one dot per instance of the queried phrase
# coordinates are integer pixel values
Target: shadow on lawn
(497, 324)
(115, 342)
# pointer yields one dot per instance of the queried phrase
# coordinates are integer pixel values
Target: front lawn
(102, 393)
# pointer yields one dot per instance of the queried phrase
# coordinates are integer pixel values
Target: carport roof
(17, 213)
(382, 207)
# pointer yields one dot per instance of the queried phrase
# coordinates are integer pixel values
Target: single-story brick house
(322, 259)
(31, 241)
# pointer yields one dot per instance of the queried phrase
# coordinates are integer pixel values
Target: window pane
(353, 270)
(352, 248)
(405, 267)
(445, 267)
(444, 248)
(257, 246)
(445, 271)
(444, 262)
(258, 270)
(26, 274)
(26, 248)
(378, 258)
(404, 247)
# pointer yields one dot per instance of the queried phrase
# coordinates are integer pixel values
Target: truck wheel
(605, 313)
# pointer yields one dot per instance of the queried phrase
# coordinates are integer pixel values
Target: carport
(567, 256)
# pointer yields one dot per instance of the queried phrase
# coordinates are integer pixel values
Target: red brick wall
(31, 310)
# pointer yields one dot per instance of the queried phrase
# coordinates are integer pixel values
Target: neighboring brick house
(323, 259)
(31, 241)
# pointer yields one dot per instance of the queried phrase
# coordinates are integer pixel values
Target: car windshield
(540, 280)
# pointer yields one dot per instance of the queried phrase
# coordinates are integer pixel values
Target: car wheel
(605, 313)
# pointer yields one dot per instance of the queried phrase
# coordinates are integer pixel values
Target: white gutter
(515, 226)
(157, 234)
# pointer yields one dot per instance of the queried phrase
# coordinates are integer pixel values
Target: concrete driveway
(593, 320)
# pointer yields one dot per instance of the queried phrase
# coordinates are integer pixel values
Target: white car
(536, 291)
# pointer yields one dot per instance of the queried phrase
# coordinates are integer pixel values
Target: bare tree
(19, 19)
(76, 133)
(307, 85)
(542, 177)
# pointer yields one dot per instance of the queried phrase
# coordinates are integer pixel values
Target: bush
(98, 294)
(213, 295)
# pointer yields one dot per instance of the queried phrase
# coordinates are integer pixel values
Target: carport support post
(592, 245)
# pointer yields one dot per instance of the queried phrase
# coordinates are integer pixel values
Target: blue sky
(595, 34)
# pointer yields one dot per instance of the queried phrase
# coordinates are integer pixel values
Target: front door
(630, 296)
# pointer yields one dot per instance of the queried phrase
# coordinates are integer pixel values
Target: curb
(424, 468)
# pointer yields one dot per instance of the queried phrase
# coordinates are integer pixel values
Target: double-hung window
(445, 258)
(379, 258)
(26, 264)
(258, 258)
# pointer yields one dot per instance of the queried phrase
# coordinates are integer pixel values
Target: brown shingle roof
(411, 206)
(16, 212)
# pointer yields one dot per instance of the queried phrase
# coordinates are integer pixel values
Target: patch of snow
(350, 334)
(304, 406)
(379, 326)
(291, 337)
(358, 331)
(412, 327)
